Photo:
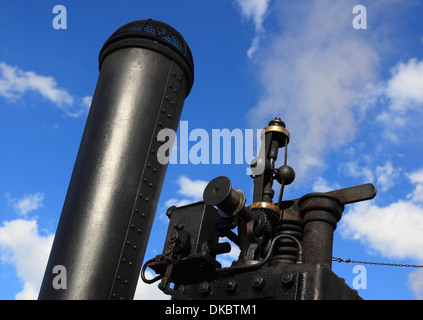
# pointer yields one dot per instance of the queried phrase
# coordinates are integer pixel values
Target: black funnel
(146, 72)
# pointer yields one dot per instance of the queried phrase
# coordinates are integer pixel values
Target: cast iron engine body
(285, 247)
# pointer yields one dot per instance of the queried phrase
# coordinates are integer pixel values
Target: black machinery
(146, 72)
(285, 247)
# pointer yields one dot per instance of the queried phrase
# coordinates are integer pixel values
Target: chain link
(378, 263)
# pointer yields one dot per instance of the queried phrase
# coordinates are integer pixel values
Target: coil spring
(287, 249)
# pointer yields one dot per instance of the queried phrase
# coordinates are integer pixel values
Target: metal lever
(354, 194)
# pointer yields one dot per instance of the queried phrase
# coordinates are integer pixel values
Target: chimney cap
(154, 35)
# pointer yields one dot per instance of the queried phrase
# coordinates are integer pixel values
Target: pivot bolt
(173, 236)
(204, 288)
(288, 279)
(231, 286)
(258, 283)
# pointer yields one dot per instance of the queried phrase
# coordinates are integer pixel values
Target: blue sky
(351, 99)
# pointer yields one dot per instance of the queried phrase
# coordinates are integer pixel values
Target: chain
(378, 263)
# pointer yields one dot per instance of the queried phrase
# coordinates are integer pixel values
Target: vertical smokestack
(146, 72)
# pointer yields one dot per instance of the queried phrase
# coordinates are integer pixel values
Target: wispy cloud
(254, 10)
(416, 178)
(322, 185)
(26, 204)
(384, 176)
(312, 75)
(15, 83)
(324, 78)
(387, 175)
(190, 190)
(403, 94)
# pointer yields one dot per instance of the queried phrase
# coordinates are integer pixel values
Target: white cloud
(322, 185)
(14, 83)
(383, 176)
(22, 246)
(386, 176)
(226, 259)
(177, 202)
(146, 291)
(405, 88)
(417, 179)
(254, 10)
(394, 231)
(312, 72)
(193, 189)
(403, 93)
(26, 204)
(190, 190)
(255, 44)
(86, 101)
(354, 169)
(415, 282)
